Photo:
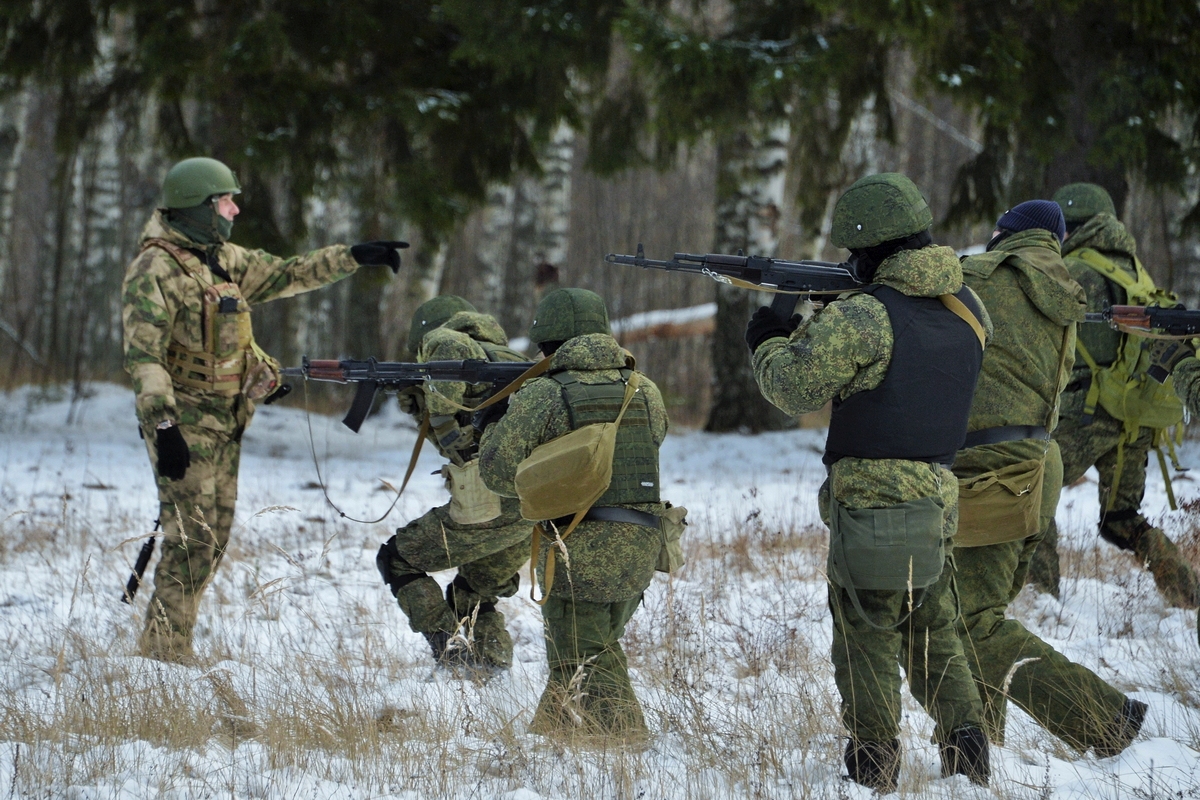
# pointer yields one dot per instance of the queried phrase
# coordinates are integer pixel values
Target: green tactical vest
(1123, 388)
(635, 460)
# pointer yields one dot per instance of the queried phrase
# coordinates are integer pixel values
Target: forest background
(515, 143)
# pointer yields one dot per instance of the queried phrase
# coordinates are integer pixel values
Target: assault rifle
(795, 277)
(1171, 321)
(372, 375)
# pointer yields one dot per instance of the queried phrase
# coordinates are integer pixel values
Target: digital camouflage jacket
(462, 337)
(537, 413)
(1033, 303)
(1106, 234)
(846, 348)
(162, 304)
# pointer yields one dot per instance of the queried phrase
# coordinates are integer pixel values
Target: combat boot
(1123, 729)
(965, 752)
(875, 765)
(1173, 575)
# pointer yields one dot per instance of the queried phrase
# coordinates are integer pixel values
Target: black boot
(875, 765)
(1123, 729)
(965, 752)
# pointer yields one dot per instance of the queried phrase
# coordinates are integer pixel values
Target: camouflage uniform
(488, 554)
(844, 349)
(163, 307)
(598, 587)
(1033, 302)
(1095, 444)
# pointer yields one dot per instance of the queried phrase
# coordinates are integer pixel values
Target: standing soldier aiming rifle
(1113, 413)
(198, 372)
(899, 360)
(1010, 476)
(479, 532)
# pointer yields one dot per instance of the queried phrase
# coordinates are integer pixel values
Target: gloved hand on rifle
(378, 254)
(173, 455)
(1165, 354)
(411, 400)
(486, 416)
(766, 325)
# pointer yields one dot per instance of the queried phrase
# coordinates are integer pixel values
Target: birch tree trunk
(750, 172)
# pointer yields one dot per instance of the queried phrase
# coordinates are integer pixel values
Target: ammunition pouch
(471, 502)
(1002, 505)
(897, 548)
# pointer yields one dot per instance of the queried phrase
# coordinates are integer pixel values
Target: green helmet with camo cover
(1082, 201)
(432, 314)
(193, 180)
(877, 209)
(566, 313)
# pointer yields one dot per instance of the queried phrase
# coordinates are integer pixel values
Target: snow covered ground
(311, 685)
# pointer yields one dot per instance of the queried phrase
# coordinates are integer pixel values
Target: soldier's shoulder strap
(186, 260)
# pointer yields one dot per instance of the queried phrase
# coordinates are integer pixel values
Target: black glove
(378, 254)
(765, 325)
(486, 416)
(283, 391)
(173, 456)
(1165, 354)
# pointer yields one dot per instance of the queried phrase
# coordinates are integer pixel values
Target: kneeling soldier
(1010, 477)
(478, 532)
(598, 571)
(899, 361)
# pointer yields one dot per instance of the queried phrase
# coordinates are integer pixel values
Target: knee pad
(385, 559)
(1122, 528)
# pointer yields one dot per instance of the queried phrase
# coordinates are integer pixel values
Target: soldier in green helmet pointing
(198, 373)
(595, 573)
(899, 360)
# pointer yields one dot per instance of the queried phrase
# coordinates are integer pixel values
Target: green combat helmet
(878, 209)
(566, 313)
(194, 180)
(1082, 201)
(432, 314)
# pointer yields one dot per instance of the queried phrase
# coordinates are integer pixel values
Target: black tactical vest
(635, 461)
(920, 411)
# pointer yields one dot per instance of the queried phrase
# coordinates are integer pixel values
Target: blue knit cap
(1045, 214)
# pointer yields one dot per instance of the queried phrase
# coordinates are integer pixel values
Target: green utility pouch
(1001, 505)
(897, 548)
(672, 523)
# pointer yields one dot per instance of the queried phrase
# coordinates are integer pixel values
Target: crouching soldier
(478, 532)
(899, 360)
(597, 564)
(1010, 477)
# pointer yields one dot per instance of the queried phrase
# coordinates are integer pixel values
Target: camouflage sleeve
(442, 344)
(844, 348)
(988, 327)
(1187, 384)
(264, 277)
(536, 414)
(658, 411)
(148, 314)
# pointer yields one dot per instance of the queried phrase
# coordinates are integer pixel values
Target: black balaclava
(866, 260)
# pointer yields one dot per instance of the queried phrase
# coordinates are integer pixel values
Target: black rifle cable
(312, 447)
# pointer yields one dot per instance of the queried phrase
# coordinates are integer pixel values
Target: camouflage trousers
(867, 661)
(597, 588)
(488, 556)
(1065, 698)
(197, 516)
(1123, 525)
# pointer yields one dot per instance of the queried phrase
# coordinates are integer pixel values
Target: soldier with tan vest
(198, 373)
